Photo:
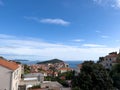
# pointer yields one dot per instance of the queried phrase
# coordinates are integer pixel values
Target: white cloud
(93, 45)
(97, 31)
(110, 3)
(117, 40)
(104, 36)
(13, 47)
(77, 40)
(117, 4)
(3, 36)
(49, 20)
(55, 21)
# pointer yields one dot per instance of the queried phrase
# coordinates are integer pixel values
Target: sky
(63, 29)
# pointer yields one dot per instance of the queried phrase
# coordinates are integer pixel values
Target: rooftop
(8, 64)
(65, 68)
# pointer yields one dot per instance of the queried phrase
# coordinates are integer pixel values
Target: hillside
(50, 61)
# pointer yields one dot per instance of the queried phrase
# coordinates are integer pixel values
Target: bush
(36, 86)
(76, 88)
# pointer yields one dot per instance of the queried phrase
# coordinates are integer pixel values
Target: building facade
(10, 75)
(109, 60)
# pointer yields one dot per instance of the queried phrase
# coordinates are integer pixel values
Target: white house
(109, 60)
(66, 69)
(10, 75)
(30, 80)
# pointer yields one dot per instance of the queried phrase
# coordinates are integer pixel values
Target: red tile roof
(8, 64)
(111, 56)
(68, 69)
(79, 66)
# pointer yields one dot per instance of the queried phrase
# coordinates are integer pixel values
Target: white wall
(16, 77)
(5, 78)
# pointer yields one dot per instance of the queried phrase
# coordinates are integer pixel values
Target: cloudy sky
(64, 29)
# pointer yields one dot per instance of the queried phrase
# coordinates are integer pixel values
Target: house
(79, 67)
(109, 60)
(10, 74)
(34, 76)
(66, 69)
(31, 79)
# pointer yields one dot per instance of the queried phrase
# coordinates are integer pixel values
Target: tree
(100, 59)
(26, 69)
(115, 74)
(93, 76)
(68, 75)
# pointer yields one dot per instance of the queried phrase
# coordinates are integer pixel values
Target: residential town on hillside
(16, 76)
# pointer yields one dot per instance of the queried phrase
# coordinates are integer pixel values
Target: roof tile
(8, 64)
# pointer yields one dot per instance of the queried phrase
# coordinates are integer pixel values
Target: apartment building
(10, 74)
(109, 60)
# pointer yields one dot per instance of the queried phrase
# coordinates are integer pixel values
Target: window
(106, 64)
(110, 59)
(110, 64)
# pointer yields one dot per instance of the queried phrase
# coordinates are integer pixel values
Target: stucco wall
(9, 80)
(5, 81)
(16, 76)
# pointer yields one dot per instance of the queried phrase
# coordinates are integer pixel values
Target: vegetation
(62, 78)
(26, 69)
(50, 61)
(115, 75)
(35, 87)
(68, 75)
(93, 76)
(100, 59)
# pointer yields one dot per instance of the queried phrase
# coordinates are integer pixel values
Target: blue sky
(64, 29)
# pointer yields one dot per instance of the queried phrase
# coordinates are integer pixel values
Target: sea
(72, 64)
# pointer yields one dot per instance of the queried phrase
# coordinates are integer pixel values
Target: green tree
(26, 69)
(93, 76)
(68, 75)
(100, 59)
(115, 74)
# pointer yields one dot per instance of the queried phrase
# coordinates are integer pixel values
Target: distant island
(20, 60)
(50, 61)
